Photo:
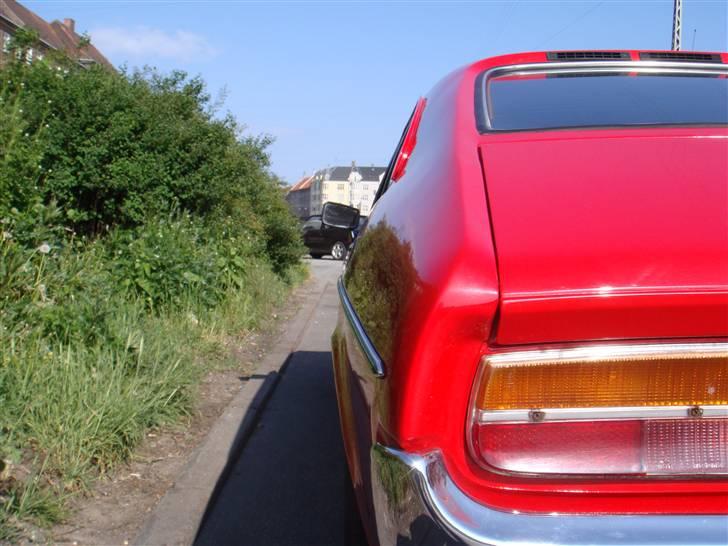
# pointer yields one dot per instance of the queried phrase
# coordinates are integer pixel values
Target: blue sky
(334, 81)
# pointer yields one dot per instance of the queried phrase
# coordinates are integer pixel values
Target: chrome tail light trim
(608, 352)
(604, 413)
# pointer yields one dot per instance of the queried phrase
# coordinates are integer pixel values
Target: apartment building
(364, 185)
(354, 186)
(299, 198)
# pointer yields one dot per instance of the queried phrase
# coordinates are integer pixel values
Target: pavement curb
(178, 515)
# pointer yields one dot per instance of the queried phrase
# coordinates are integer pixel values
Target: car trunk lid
(609, 234)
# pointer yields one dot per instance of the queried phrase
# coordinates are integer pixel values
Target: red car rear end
(533, 344)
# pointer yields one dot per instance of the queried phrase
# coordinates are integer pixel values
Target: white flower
(7, 235)
(45, 248)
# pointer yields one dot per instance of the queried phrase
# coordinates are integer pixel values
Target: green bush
(138, 230)
(112, 150)
(168, 259)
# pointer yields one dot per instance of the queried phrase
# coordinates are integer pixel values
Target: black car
(331, 232)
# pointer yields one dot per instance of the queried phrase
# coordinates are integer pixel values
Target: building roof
(337, 173)
(368, 174)
(303, 184)
(55, 35)
(371, 174)
(70, 42)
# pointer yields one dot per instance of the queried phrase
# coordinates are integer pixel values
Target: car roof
(601, 56)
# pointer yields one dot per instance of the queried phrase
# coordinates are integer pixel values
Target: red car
(532, 346)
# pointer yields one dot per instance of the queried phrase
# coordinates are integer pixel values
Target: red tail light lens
(562, 448)
(649, 410)
(410, 141)
(610, 447)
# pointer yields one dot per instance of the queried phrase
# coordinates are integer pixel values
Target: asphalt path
(288, 484)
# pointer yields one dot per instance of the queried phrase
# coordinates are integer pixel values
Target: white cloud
(147, 43)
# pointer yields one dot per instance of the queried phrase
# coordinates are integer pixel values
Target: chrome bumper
(416, 502)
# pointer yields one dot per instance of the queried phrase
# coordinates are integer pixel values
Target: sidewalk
(179, 514)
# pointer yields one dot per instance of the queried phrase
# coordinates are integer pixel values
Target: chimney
(70, 24)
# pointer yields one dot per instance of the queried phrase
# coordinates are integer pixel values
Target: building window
(340, 187)
(6, 42)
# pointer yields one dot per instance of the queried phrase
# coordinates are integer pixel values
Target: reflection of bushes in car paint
(380, 280)
(346, 406)
(394, 478)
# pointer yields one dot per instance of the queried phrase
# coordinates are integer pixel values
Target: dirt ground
(119, 503)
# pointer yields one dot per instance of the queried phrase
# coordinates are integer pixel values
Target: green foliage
(166, 260)
(138, 229)
(80, 383)
(112, 150)
(86, 367)
(21, 41)
(21, 152)
(53, 290)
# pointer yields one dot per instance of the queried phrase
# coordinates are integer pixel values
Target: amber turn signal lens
(600, 378)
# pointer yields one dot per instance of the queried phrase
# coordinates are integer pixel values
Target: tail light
(409, 141)
(642, 410)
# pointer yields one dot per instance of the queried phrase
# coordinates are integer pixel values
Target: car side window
(312, 223)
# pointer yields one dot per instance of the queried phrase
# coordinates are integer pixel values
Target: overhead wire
(571, 23)
(507, 21)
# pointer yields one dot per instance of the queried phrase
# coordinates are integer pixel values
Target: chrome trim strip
(593, 414)
(375, 361)
(647, 67)
(415, 499)
(609, 352)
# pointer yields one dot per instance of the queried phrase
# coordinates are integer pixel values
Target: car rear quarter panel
(423, 281)
(423, 276)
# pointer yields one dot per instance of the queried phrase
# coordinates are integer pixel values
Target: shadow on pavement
(286, 483)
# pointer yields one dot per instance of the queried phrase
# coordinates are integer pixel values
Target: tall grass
(87, 365)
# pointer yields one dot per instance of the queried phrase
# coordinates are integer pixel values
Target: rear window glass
(312, 223)
(550, 101)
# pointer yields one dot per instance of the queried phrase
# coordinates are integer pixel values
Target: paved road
(288, 485)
